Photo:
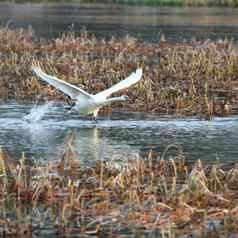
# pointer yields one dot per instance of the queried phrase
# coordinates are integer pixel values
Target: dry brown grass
(199, 78)
(142, 196)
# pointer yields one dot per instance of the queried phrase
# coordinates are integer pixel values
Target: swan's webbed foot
(95, 118)
(68, 108)
(71, 105)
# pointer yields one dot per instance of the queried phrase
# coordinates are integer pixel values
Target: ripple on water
(121, 134)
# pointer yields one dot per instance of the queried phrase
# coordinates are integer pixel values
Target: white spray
(38, 112)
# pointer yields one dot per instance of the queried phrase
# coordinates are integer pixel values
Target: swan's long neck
(115, 99)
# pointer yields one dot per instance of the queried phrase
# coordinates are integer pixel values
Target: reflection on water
(122, 135)
(106, 19)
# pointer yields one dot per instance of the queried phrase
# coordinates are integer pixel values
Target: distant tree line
(221, 3)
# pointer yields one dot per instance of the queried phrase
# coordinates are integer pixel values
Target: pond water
(105, 20)
(116, 136)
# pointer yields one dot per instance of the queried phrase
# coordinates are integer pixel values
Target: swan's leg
(71, 105)
(95, 113)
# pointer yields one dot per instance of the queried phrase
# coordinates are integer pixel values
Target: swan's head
(125, 98)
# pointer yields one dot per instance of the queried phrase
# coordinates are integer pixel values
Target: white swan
(85, 103)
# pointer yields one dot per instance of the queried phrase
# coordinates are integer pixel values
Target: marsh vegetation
(148, 197)
(197, 78)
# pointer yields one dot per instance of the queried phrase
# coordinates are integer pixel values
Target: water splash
(38, 112)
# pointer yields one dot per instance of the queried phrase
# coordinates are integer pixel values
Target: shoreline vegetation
(142, 197)
(196, 78)
(175, 3)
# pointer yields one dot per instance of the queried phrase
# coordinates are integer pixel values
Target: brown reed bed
(197, 78)
(144, 197)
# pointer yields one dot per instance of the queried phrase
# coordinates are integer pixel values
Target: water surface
(105, 20)
(116, 136)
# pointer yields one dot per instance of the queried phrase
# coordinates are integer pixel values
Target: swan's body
(85, 103)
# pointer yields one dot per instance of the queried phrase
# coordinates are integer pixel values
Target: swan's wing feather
(127, 82)
(67, 88)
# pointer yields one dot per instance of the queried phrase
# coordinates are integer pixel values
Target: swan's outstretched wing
(67, 88)
(127, 82)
